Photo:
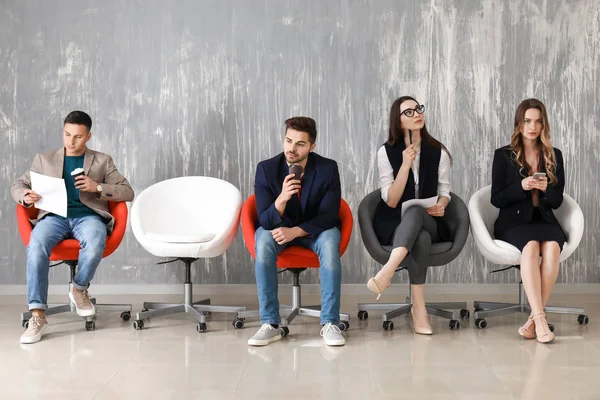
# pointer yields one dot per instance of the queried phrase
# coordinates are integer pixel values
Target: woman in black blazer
(527, 184)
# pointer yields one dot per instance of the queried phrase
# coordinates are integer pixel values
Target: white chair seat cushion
(507, 246)
(200, 237)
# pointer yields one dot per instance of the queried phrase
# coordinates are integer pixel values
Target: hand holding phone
(539, 175)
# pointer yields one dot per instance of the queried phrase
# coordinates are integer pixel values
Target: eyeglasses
(409, 112)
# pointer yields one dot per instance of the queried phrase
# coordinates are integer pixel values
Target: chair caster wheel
(344, 326)
(388, 325)
(465, 314)
(126, 315)
(25, 323)
(551, 327)
(481, 323)
(363, 315)
(90, 325)
(583, 319)
(454, 324)
(138, 325)
(201, 327)
(238, 323)
(284, 331)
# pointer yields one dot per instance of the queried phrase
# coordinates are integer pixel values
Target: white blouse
(386, 174)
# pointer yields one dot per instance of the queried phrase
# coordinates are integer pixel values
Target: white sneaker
(265, 335)
(35, 330)
(332, 335)
(83, 305)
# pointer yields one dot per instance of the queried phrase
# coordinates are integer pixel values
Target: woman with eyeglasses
(528, 181)
(412, 165)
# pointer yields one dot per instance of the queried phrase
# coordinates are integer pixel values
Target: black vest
(387, 219)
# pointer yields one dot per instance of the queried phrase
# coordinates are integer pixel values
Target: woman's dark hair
(396, 133)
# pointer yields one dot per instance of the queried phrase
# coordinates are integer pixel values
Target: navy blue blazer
(516, 204)
(318, 208)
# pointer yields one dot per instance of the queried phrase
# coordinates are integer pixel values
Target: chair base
(198, 309)
(297, 309)
(90, 325)
(398, 309)
(484, 309)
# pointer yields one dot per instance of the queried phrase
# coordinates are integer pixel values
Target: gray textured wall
(202, 88)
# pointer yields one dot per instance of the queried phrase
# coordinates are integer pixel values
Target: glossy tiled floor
(169, 360)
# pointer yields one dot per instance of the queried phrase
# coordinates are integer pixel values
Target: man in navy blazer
(301, 213)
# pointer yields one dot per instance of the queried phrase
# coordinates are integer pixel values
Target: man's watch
(99, 188)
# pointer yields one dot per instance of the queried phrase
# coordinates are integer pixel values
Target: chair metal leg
(381, 306)
(113, 307)
(564, 310)
(283, 309)
(156, 306)
(223, 309)
(288, 320)
(495, 312)
(160, 312)
(200, 316)
(52, 309)
(460, 305)
(248, 314)
(489, 305)
(405, 309)
(309, 312)
(438, 312)
(317, 307)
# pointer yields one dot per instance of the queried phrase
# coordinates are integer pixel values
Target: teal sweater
(75, 208)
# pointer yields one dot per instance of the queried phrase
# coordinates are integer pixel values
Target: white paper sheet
(53, 193)
(425, 203)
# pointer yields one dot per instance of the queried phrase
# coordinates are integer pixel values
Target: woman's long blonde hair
(544, 142)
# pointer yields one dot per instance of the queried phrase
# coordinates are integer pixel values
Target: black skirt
(537, 229)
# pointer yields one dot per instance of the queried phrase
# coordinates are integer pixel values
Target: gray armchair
(433, 254)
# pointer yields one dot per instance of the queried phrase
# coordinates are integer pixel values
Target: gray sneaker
(83, 304)
(332, 335)
(265, 335)
(36, 329)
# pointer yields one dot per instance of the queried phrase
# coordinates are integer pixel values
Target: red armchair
(294, 259)
(67, 251)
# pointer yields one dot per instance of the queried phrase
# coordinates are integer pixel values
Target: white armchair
(483, 215)
(186, 218)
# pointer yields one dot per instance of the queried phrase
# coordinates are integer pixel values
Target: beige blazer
(98, 166)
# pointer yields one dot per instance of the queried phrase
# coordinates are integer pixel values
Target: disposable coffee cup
(77, 172)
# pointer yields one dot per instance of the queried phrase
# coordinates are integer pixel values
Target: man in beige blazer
(88, 219)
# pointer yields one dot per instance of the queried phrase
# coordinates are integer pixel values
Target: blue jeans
(90, 231)
(326, 246)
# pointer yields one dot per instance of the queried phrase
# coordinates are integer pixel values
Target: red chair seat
(293, 256)
(69, 249)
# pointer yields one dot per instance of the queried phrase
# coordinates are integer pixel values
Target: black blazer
(515, 204)
(319, 205)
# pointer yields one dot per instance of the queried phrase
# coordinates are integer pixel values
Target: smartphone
(539, 175)
(296, 170)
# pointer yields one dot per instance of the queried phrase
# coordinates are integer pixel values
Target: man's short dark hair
(79, 118)
(303, 124)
